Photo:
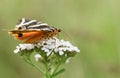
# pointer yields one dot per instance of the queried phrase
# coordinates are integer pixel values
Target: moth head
(59, 30)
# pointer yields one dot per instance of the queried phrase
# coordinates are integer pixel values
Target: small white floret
(37, 57)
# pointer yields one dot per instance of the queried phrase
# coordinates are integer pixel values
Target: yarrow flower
(51, 52)
(48, 46)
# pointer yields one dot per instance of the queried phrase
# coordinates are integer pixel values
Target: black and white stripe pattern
(33, 25)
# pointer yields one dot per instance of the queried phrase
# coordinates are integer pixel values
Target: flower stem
(48, 68)
(29, 61)
(58, 65)
(38, 68)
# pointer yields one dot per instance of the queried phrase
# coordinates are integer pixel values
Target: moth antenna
(5, 29)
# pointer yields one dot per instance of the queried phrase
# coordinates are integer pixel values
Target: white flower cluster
(57, 45)
(48, 46)
(21, 47)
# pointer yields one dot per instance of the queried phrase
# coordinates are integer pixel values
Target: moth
(33, 31)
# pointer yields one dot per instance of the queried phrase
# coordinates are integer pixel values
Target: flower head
(50, 45)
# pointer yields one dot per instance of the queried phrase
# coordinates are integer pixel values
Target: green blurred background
(93, 25)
